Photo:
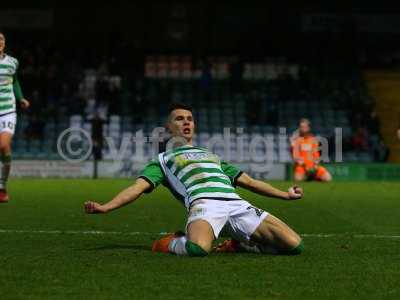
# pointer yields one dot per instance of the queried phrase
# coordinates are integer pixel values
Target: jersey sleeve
(231, 171)
(315, 147)
(17, 89)
(295, 148)
(153, 174)
(16, 85)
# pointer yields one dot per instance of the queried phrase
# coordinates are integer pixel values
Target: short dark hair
(177, 105)
(305, 120)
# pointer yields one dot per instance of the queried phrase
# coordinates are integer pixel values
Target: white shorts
(237, 218)
(8, 123)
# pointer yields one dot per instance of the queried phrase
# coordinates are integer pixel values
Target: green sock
(5, 169)
(296, 250)
(193, 249)
(6, 158)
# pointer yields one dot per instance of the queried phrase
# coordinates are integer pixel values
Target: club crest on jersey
(195, 156)
(306, 147)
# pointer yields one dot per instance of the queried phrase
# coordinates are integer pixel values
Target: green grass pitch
(49, 249)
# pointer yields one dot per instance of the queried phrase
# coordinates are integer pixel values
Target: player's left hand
(25, 104)
(295, 192)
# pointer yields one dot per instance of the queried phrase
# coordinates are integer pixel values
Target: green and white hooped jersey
(193, 173)
(8, 70)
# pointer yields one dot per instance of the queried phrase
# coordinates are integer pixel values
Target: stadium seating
(217, 103)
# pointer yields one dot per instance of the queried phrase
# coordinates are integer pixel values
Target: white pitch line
(354, 235)
(99, 232)
(83, 232)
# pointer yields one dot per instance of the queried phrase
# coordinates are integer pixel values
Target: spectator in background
(381, 152)
(98, 141)
(165, 93)
(102, 91)
(359, 140)
(36, 98)
(357, 120)
(114, 98)
(35, 128)
(139, 105)
(271, 104)
(206, 80)
(97, 136)
(254, 109)
(287, 86)
(103, 95)
(236, 70)
(373, 123)
(77, 104)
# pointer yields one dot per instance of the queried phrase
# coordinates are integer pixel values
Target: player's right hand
(94, 208)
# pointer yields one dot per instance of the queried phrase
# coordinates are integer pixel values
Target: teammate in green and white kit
(10, 92)
(206, 186)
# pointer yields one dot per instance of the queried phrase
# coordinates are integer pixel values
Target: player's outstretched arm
(265, 189)
(128, 195)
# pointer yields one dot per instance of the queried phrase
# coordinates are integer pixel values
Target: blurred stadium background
(258, 67)
(113, 69)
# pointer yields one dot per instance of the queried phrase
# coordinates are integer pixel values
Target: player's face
(181, 124)
(304, 127)
(2, 42)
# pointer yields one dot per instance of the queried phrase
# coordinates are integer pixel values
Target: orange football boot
(228, 246)
(162, 244)
(4, 196)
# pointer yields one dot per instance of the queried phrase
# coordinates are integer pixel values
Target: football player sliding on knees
(205, 185)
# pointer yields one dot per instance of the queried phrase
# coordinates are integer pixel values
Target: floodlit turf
(45, 252)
